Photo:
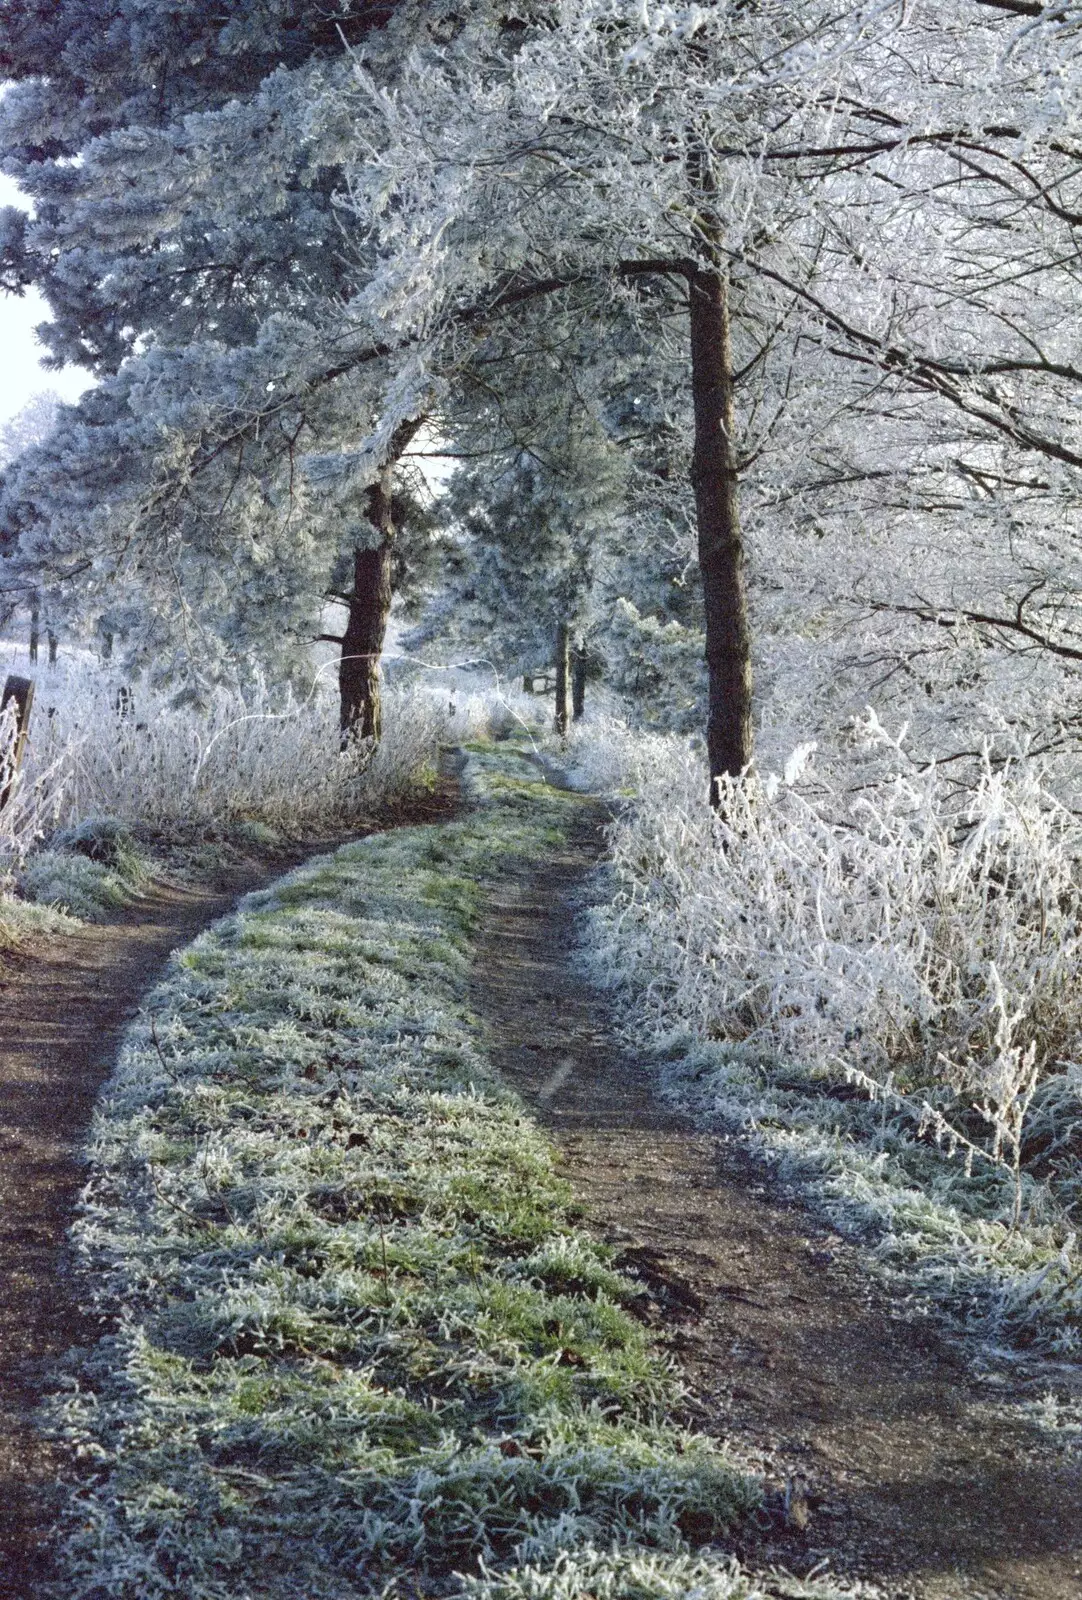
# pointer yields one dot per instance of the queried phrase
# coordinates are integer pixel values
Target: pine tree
(196, 226)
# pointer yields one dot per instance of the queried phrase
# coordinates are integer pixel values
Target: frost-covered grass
(20, 920)
(644, 1575)
(356, 1333)
(87, 890)
(101, 748)
(92, 870)
(883, 986)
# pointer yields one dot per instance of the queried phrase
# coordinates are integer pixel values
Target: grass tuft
(635, 1574)
(90, 871)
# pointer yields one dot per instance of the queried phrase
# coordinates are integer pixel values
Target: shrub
(911, 941)
(100, 748)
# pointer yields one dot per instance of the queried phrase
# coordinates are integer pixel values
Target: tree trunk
(563, 675)
(54, 646)
(361, 714)
(578, 682)
(35, 627)
(721, 550)
(360, 710)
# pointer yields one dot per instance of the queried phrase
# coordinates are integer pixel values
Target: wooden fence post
(18, 692)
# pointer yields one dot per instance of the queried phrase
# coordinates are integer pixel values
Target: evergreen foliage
(185, 237)
(528, 530)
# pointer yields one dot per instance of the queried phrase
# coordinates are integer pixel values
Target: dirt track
(64, 1003)
(884, 1454)
(63, 1006)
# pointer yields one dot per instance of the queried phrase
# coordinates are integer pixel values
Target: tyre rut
(64, 1003)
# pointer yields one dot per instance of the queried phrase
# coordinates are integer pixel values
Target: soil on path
(887, 1457)
(64, 1004)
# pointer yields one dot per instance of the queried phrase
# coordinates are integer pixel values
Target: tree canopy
(825, 256)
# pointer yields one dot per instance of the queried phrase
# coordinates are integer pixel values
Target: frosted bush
(911, 941)
(98, 747)
(604, 754)
(33, 805)
(909, 929)
(867, 981)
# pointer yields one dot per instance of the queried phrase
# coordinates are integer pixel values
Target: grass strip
(355, 1335)
(934, 1232)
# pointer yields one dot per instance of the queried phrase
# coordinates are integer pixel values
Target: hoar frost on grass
(356, 1333)
(21, 920)
(99, 747)
(644, 1575)
(91, 870)
(881, 986)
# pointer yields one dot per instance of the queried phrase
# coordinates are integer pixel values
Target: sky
(20, 374)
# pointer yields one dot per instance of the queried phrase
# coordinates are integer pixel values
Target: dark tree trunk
(369, 602)
(721, 550)
(578, 683)
(369, 606)
(563, 676)
(54, 645)
(35, 627)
